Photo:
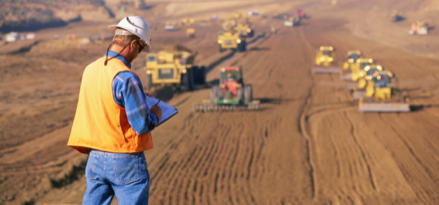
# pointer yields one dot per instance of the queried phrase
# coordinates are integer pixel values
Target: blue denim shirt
(128, 93)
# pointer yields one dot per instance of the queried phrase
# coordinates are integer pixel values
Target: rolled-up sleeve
(128, 93)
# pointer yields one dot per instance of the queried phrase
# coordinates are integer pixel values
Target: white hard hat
(135, 25)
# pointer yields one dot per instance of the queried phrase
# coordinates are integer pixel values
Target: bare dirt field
(307, 145)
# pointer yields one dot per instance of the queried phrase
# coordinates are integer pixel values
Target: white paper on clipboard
(167, 110)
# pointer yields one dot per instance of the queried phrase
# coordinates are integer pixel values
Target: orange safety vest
(99, 122)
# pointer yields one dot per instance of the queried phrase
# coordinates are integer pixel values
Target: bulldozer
(382, 96)
(190, 32)
(239, 15)
(420, 27)
(174, 66)
(352, 57)
(231, 93)
(364, 77)
(231, 40)
(352, 71)
(293, 21)
(325, 62)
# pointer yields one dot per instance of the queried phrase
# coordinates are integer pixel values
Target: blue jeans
(123, 175)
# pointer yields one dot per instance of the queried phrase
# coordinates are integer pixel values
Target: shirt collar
(119, 57)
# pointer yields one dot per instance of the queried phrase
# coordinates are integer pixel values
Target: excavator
(231, 94)
(382, 96)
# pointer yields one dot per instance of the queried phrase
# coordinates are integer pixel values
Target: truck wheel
(242, 46)
(220, 48)
(248, 94)
(148, 81)
(196, 74)
(187, 80)
(203, 75)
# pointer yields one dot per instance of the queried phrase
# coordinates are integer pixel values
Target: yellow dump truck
(325, 61)
(382, 96)
(174, 66)
(231, 40)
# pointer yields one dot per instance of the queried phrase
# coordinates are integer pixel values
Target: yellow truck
(174, 66)
(231, 40)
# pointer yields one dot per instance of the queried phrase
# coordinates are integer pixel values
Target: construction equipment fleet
(325, 61)
(174, 66)
(382, 96)
(231, 40)
(231, 94)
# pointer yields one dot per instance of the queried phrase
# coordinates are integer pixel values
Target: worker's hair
(124, 40)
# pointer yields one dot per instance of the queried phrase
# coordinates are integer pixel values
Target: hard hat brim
(113, 28)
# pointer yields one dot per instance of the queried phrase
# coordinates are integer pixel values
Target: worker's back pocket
(126, 168)
(90, 169)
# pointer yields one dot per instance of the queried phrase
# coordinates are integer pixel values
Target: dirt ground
(307, 145)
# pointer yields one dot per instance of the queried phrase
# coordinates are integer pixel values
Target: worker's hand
(156, 110)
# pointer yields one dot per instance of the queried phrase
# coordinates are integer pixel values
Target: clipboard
(167, 110)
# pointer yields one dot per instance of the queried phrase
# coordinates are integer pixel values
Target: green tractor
(231, 93)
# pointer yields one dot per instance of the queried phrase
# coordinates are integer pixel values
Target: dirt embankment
(23, 15)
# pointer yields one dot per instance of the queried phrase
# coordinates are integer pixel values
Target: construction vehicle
(274, 28)
(244, 30)
(231, 93)
(420, 27)
(292, 21)
(174, 66)
(231, 40)
(170, 26)
(187, 22)
(355, 71)
(352, 57)
(382, 96)
(396, 16)
(364, 76)
(325, 62)
(190, 32)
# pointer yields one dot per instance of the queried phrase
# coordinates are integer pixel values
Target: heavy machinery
(382, 96)
(293, 21)
(244, 30)
(231, 40)
(396, 16)
(231, 93)
(352, 57)
(239, 15)
(170, 26)
(325, 62)
(187, 21)
(420, 27)
(174, 66)
(190, 32)
(300, 13)
(364, 76)
(355, 72)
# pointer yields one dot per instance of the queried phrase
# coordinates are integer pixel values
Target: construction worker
(113, 123)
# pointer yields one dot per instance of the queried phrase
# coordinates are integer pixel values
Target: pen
(157, 103)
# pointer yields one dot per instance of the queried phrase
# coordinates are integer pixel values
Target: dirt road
(307, 145)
